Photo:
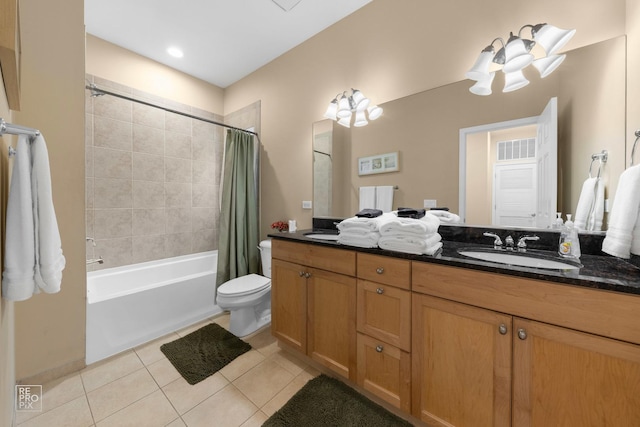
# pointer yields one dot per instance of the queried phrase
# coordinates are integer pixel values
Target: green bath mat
(327, 402)
(204, 352)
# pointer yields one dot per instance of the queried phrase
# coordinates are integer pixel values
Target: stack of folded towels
(411, 231)
(363, 230)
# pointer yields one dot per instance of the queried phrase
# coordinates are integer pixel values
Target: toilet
(248, 298)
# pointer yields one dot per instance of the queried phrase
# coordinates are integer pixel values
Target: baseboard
(54, 373)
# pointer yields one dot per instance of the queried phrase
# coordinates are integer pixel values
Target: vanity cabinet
(477, 361)
(313, 308)
(384, 328)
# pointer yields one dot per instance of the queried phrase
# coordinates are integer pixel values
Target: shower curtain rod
(95, 91)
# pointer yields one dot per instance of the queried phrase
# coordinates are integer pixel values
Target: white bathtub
(130, 305)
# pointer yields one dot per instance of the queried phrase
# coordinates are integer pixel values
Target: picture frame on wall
(380, 163)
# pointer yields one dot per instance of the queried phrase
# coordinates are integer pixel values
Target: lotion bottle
(569, 245)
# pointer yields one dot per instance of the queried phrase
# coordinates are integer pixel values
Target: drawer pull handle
(379, 348)
(307, 275)
(301, 273)
(379, 270)
(380, 291)
(522, 334)
(502, 329)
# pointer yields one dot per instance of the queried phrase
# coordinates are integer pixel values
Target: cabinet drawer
(384, 312)
(385, 371)
(330, 259)
(384, 269)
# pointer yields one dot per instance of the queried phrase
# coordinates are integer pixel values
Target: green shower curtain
(238, 238)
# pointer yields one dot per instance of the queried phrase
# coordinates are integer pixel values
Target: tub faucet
(95, 261)
(92, 240)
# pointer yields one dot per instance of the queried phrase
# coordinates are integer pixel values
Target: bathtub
(130, 305)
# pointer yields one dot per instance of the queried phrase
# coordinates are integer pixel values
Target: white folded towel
(368, 240)
(428, 224)
(33, 260)
(367, 198)
(384, 198)
(366, 224)
(49, 259)
(590, 209)
(446, 216)
(18, 283)
(427, 245)
(624, 216)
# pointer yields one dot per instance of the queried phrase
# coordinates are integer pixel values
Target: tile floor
(141, 388)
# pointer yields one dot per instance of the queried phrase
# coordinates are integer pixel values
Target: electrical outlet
(606, 205)
(430, 203)
(306, 204)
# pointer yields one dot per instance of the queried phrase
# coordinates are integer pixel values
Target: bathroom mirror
(424, 128)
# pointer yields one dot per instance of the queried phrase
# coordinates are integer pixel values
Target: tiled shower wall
(152, 178)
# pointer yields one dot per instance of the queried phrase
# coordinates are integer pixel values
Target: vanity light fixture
(344, 107)
(514, 56)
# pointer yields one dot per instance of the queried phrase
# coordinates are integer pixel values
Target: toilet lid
(244, 285)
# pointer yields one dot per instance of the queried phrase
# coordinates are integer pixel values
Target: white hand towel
(446, 216)
(426, 245)
(428, 224)
(590, 209)
(384, 198)
(624, 215)
(49, 259)
(367, 198)
(19, 263)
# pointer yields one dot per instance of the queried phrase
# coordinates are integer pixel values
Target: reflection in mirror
(425, 128)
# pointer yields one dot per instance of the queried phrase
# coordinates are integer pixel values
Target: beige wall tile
(203, 148)
(204, 195)
(109, 163)
(177, 244)
(204, 218)
(111, 133)
(148, 116)
(205, 240)
(112, 193)
(177, 195)
(204, 172)
(88, 129)
(177, 123)
(148, 222)
(112, 223)
(88, 193)
(148, 140)
(178, 220)
(113, 108)
(148, 194)
(148, 167)
(115, 252)
(177, 170)
(148, 248)
(177, 144)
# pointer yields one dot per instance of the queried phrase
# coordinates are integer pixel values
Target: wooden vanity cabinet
(465, 358)
(384, 328)
(313, 303)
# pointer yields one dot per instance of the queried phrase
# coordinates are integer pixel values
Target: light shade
(517, 56)
(551, 38)
(361, 102)
(514, 81)
(480, 70)
(548, 64)
(374, 112)
(361, 120)
(344, 109)
(345, 121)
(483, 87)
(332, 110)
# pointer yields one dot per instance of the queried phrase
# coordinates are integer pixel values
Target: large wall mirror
(424, 128)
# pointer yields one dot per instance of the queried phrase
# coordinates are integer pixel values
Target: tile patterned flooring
(141, 388)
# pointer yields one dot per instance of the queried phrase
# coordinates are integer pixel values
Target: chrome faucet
(497, 242)
(508, 243)
(95, 261)
(522, 245)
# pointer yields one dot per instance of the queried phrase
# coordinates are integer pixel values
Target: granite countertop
(599, 271)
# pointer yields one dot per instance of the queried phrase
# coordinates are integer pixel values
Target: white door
(514, 195)
(547, 161)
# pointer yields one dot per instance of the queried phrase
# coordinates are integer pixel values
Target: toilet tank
(265, 254)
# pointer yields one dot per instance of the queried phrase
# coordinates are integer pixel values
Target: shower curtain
(238, 237)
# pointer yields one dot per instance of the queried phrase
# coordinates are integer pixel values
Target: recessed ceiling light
(175, 52)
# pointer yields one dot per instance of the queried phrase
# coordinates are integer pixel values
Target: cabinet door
(289, 304)
(568, 378)
(461, 364)
(384, 312)
(332, 321)
(385, 371)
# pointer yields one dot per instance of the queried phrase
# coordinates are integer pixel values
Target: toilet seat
(244, 285)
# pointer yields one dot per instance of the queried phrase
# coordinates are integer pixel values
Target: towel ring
(633, 150)
(602, 158)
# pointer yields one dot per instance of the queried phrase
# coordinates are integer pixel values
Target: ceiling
(222, 40)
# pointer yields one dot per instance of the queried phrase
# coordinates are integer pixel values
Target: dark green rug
(204, 352)
(325, 401)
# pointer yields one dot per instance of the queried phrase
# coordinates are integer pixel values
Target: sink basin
(520, 259)
(322, 236)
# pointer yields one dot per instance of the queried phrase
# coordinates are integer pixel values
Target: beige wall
(633, 76)
(114, 63)
(49, 329)
(420, 48)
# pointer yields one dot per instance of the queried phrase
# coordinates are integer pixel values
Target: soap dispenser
(558, 224)
(569, 245)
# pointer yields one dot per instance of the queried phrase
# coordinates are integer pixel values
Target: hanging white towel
(18, 281)
(624, 216)
(590, 209)
(384, 198)
(367, 198)
(49, 259)
(33, 260)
